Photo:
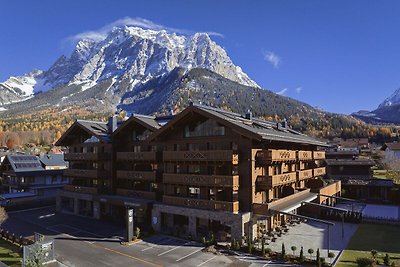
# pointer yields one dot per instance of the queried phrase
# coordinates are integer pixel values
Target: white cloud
(101, 33)
(299, 89)
(272, 58)
(282, 92)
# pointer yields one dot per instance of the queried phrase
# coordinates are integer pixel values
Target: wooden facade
(199, 161)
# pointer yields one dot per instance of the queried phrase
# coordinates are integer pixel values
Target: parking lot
(85, 242)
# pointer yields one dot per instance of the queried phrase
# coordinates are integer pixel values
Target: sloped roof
(350, 162)
(96, 129)
(391, 146)
(27, 165)
(53, 160)
(253, 127)
(152, 123)
(24, 163)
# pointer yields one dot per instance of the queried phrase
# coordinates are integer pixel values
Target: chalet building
(90, 166)
(341, 165)
(202, 170)
(356, 175)
(32, 178)
(392, 151)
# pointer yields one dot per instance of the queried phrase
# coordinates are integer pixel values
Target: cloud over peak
(101, 34)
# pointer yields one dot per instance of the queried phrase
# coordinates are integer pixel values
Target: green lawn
(382, 174)
(382, 238)
(10, 254)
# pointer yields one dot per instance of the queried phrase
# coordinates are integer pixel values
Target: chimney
(248, 115)
(112, 124)
(285, 124)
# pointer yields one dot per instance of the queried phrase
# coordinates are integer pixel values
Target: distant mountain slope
(172, 92)
(387, 112)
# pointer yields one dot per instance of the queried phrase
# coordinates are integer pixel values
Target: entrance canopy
(294, 202)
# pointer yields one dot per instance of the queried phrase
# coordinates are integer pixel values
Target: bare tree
(392, 164)
(3, 215)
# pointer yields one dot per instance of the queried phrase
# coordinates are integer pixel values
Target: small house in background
(392, 151)
(29, 179)
(356, 175)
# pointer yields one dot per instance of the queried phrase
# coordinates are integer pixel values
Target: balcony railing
(267, 182)
(201, 155)
(81, 189)
(208, 180)
(137, 175)
(304, 155)
(91, 174)
(264, 182)
(137, 156)
(319, 171)
(87, 156)
(319, 155)
(202, 203)
(306, 174)
(275, 155)
(136, 193)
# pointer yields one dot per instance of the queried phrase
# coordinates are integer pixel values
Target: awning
(293, 202)
(124, 200)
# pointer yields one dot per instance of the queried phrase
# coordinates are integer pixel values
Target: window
(177, 191)
(205, 128)
(194, 192)
(194, 169)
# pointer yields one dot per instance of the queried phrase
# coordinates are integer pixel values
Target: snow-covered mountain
(127, 57)
(387, 112)
(394, 99)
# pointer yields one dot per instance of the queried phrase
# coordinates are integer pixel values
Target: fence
(38, 254)
(18, 240)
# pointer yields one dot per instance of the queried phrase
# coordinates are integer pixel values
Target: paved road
(86, 242)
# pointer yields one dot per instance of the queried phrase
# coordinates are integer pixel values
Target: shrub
(283, 252)
(386, 260)
(137, 232)
(310, 251)
(331, 255)
(374, 253)
(268, 251)
(263, 246)
(237, 245)
(365, 262)
(301, 257)
(293, 248)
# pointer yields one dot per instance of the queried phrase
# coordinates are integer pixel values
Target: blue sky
(342, 56)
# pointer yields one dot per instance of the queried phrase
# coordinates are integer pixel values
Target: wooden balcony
(136, 193)
(319, 171)
(91, 174)
(202, 155)
(304, 155)
(87, 156)
(202, 203)
(207, 180)
(306, 174)
(81, 189)
(137, 156)
(268, 182)
(137, 175)
(318, 155)
(275, 155)
(264, 183)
